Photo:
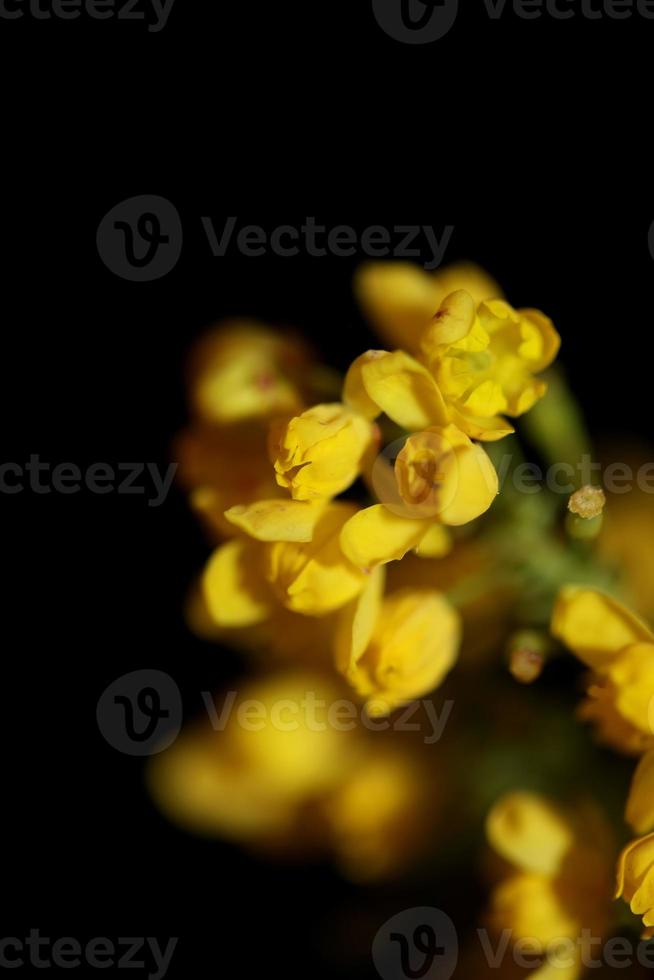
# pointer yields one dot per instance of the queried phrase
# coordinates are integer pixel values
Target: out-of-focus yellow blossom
(627, 540)
(557, 881)
(640, 805)
(319, 453)
(440, 477)
(221, 466)
(243, 370)
(400, 298)
(247, 781)
(620, 650)
(380, 817)
(280, 777)
(484, 358)
(397, 648)
(636, 880)
(292, 556)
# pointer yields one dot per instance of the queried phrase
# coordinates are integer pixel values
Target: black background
(92, 372)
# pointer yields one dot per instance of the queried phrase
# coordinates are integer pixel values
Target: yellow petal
(400, 298)
(595, 626)
(436, 543)
(632, 676)
(640, 805)
(357, 623)
(454, 323)
(277, 520)
(541, 341)
(405, 390)
(414, 644)
(316, 578)
(233, 586)
(375, 536)
(528, 831)
(485, 429)
(354, 391)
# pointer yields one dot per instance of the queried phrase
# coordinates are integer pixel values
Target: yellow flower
(244, 370)
(439, 477)
(380, 817)
(319, 453)
(636, 880)
(477, 363)
(221, 466)
(557, 881)
(280, 776)
(640, 805)
(248, 781)
(484, 357)
(295, 558)
(397, 648)
(620, 650)
(400, 298)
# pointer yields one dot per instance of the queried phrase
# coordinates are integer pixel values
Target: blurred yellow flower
(319, 453)
(484, 357)
(243, 370)
(400, 298)
(248, 780)
(636, 880)
(557, 881)
(279, 776)
(620, 650)
(440, 477)
(397, 648)
(221, 466)
(640, 805)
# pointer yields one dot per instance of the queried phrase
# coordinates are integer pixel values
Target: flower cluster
(362, 550)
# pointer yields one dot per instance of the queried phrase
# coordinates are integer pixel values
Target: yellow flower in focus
(620, 650)
(292, 555)
(244, 370)
(440, 477)
(640, 805)
(397, 648)
(636, 880)
(557, 881)
(484, 357)
(316, 578)
(319, 453)
(400, 298)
